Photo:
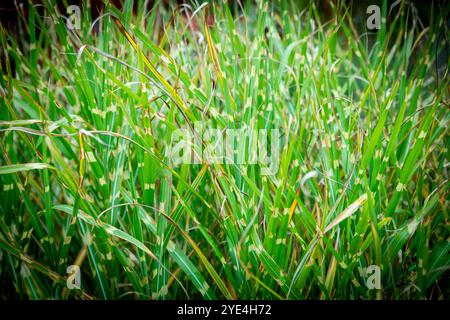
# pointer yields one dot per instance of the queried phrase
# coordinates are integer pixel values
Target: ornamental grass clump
(318, 152)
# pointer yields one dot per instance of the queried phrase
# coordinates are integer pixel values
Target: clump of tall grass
(87, 116)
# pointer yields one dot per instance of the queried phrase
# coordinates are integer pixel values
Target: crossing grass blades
(357, 207)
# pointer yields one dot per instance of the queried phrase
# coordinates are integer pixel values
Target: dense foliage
(361, 178)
